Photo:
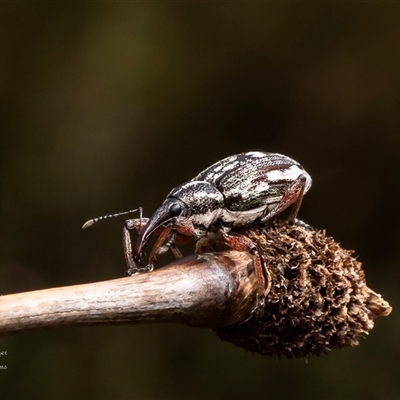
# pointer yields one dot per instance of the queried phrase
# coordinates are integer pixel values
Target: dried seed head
(318, 299)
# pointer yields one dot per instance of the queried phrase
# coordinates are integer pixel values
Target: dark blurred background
(107, 106)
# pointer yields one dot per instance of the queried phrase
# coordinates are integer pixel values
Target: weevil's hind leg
(299, 186)
(240, 243)
(294, 195)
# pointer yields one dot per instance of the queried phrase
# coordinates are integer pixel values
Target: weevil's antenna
(92, 221)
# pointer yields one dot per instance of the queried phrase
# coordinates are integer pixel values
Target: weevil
(244, 190)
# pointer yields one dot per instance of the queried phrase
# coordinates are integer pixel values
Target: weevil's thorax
(204, 202)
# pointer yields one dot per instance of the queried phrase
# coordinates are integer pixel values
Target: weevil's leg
(171, 242)
(294, 194)
(182, 232)
(175, 251)
(158, 247)
(164, 247)
(298, 187)
(240, 243)
(136, 224)
(168, 243)
(167, 240)
(126, 238)
(132, 224)
(184, 226)
(178, 240)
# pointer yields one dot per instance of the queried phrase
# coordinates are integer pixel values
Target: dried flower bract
(318, 298)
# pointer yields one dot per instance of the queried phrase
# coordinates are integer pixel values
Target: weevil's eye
(175, 210)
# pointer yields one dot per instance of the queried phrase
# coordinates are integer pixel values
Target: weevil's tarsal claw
(137, 271)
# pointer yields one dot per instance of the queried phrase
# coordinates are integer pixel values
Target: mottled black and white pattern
(253, 179)
(239, 190)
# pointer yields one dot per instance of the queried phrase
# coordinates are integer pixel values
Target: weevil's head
(198, 202)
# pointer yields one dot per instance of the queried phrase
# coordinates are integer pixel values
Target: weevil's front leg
(184, 226)
(167, 239)
(240, 243)
(134, 225)
(133, 268)
(170, 244)
(179, 230)
(158, 247)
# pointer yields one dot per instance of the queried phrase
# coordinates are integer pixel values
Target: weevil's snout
(172, 207)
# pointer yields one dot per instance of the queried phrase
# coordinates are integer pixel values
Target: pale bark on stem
(207, 290)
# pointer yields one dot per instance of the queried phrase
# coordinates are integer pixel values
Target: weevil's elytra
(238, 191)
